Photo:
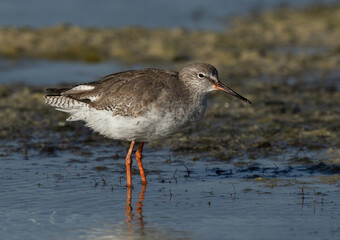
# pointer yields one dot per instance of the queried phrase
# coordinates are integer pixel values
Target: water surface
(150, 13)
(82, 195)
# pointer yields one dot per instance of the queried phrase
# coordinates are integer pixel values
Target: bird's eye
(201, 75)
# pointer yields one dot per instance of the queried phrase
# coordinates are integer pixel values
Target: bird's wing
(125, 93)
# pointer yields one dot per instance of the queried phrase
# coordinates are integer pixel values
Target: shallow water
(49, 73)
(64, 196)
(189, 14)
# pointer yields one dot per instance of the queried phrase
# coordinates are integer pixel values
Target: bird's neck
(195, 94)
(197, 102)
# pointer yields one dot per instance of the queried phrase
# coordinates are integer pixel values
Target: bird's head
(203, 78)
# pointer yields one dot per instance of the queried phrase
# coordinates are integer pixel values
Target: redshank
(141, 105)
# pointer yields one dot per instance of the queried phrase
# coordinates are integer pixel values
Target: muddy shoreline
(282, 117)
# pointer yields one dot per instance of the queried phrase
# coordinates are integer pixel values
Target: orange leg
(128, 163)
(139, 161)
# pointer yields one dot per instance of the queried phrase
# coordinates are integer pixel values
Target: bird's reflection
(139, 211)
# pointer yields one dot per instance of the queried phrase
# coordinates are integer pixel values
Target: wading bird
(141, 105)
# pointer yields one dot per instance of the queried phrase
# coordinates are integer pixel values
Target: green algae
(101, 168)
(22, 107)
(236, 133)
(329, 179)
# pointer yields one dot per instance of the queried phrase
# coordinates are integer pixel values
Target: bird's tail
(63, 103)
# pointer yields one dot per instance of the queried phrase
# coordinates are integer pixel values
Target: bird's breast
(185, 113)
(196, 111)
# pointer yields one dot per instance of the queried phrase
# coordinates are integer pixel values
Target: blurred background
(197, 14)
(270, 170)
(118, 35)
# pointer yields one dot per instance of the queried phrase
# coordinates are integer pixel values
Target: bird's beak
(221, 86)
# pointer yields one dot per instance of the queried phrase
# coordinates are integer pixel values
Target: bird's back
(126, 93)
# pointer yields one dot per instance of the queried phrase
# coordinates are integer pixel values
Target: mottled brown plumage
(128, 93)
